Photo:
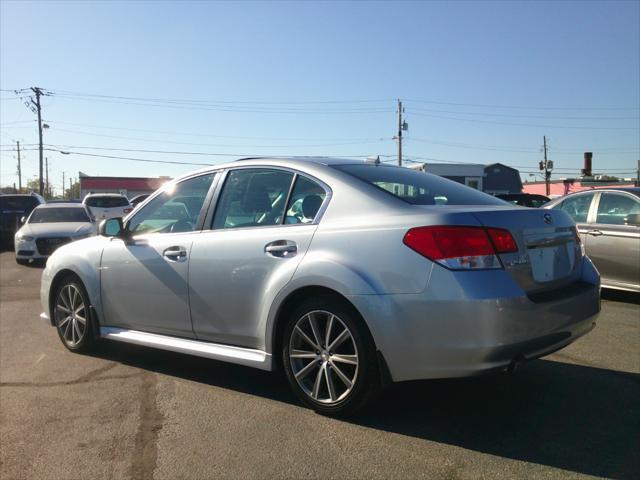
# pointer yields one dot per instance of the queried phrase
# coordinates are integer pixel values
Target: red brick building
(128, 186)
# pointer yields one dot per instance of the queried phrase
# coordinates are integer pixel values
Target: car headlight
(24, 238)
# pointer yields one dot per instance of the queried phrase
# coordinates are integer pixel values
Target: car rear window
(58, 215)
(20, 203)
(418, 188)
(106, 202)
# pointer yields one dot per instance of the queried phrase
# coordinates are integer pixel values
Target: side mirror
(23, 219)
(111, 227)
(632, 219)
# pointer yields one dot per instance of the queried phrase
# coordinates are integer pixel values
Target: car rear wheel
(72, 316)
(329, 357)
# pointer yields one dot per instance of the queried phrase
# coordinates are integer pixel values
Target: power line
(520, 107)
(253, 102)
(139, 139)
(191, 134)
(413, 158)
(229, 108)
(636, 118)
(474, 120)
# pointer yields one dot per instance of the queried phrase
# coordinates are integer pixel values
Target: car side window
(306, 198)
(616, 209)
(175, 210)
(252, 197)
(577, 207)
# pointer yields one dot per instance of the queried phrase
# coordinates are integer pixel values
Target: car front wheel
(72, 316)
(329, 357)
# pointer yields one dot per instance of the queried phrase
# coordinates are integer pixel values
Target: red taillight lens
(459, 247)
(502, 240)
(441, 242)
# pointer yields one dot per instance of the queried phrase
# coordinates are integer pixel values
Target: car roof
(634, 190)
(309, 163)
(98, 194)
(521, 195)
(319, 160)
(61, 205)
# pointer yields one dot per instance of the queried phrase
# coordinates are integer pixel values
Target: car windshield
(106, 202)
(58, 215)
(418, 188)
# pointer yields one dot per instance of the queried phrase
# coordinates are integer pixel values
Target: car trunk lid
(548, 251)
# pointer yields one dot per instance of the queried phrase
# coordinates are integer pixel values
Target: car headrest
(256, 200)
(311, 205)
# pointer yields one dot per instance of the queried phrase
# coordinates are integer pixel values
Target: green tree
(73, 192)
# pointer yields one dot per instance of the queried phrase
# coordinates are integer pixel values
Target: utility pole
(399, 133)
(547, 166)
(38, 93)
(70, 188)
(401, 127)
(19, 169)
(48, 188)
(63, 187)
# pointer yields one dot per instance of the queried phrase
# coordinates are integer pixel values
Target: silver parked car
(50, 226)
(608, 222)
(344, 274)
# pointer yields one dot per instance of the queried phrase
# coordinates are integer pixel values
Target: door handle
(175, 254)
(595, 233)
(281, 249)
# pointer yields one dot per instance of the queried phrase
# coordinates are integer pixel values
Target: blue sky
(481, 82)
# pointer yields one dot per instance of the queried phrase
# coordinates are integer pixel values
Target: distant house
(499, 178)
(493, 179)
(469, 174)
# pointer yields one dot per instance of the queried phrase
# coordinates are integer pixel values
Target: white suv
(107, 205)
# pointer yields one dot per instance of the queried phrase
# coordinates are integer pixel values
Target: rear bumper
(448, 331)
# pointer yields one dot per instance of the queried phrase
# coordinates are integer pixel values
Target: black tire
(76, 335)
(22, 261)
(364, 375)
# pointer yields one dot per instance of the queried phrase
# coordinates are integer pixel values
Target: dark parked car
(608, 222)
(524, 199)
(12, 209)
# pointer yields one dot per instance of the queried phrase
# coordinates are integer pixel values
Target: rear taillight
(461, 248)
(128, 210)
(502, 240)
(579, 245)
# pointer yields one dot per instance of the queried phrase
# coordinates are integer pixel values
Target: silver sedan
(345, 275)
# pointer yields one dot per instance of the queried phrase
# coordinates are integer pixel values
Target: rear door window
(615, 209)
(418, 188)
(305, 202)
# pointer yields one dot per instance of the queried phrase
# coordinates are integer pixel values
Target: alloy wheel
(323, 356)
(71, 315)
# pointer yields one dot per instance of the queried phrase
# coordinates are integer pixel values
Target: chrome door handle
(175, 254)
(281, 249)
(595, 233)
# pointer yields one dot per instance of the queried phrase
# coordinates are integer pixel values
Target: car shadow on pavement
(621, 296)
(573, 417)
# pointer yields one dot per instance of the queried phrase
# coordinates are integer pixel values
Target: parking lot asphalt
(134, 412)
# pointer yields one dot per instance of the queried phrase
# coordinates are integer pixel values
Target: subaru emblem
(548, 218)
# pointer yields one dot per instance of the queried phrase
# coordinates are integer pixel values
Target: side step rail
(215, 351)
